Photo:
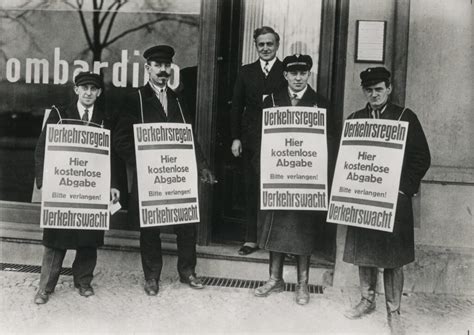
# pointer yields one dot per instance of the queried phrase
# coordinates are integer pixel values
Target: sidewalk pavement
(120, 306)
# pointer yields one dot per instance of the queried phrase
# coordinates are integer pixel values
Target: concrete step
(21, 244)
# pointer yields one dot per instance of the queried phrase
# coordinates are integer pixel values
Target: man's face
(159, 72)
(377, 94)
(297, 79)
(267, 46)
(87, 94)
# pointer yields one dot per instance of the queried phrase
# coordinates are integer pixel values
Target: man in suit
(372, 249)
(156, 102)
(291, 231)
(254, 82)
(88, 87)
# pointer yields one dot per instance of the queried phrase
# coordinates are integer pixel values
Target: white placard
(76, 178)
(367, 176)
(167, 174)
(294, 163)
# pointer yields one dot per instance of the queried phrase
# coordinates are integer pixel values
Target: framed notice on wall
(370, 41)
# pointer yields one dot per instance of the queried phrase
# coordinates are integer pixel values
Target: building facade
(427, 46)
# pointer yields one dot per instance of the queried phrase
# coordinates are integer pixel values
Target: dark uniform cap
(374, 75)
(159, 53)
(84, 78)
(297, 62)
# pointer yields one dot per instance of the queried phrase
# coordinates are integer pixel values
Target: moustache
(163, 74)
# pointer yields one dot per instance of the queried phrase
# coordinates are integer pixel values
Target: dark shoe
(193, 281)
(271, 286)
(246, 250)
(41, 297)
(86, 291)
(364, 307)
(151, 287)
(395, 323)
(302, 294)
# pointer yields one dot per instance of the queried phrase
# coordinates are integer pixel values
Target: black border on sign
(357, 60)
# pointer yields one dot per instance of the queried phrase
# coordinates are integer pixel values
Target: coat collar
(150, 99)
(275, 71)
(309, 98)
(391, 112)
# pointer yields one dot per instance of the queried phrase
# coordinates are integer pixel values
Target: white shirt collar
(81, 109)
(270, 64)
(157, 89)
(299, 94)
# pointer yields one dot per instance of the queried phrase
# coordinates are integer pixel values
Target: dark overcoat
(367, 247)
(67, 238)
(153, 111)
(291, 231)
(246, 113)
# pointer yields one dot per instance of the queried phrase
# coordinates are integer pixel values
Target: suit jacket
(291, 231)
(246, 112)
(367, 247)
(67, 238)
(153, 111)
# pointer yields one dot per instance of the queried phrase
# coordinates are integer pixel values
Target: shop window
(44, 44)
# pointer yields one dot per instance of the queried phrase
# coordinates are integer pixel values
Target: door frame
(333, 46)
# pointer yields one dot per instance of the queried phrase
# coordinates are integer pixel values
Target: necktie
(163, 100)
(266, 69)
(294, 100)
(85, 116)
(376, 114)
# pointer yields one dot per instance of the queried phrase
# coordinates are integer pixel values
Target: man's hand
(208, 177)
(236, 148)
(114, 195)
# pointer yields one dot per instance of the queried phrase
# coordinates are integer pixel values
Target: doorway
(300, 32)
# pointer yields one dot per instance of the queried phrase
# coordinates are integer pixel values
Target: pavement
(120, 306)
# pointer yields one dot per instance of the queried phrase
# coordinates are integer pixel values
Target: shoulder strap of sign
(141, 105)
(273, 100)
(59, 114)
(180, 110)
(403, 111)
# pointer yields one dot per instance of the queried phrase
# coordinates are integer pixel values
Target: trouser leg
(186, 243)
(252, 187)
(368, 282)
(150, 251)
(276, 265)
(275, 283)
(83, 266)
(51, 268)
(302, 268)
(393, 284)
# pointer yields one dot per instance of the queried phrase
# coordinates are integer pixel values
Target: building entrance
(299, 25)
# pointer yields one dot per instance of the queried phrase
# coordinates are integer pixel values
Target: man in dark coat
(291, 231)
(254, 82)
(372, 249)
(88, 87)
(156, 102)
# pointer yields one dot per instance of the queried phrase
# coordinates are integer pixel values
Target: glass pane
(298, 22)
(45, 43)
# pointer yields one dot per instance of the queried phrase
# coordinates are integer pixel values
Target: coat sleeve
(417, 158)
(53, 118)
(268, 102)
(122, 138)
(238, 105)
